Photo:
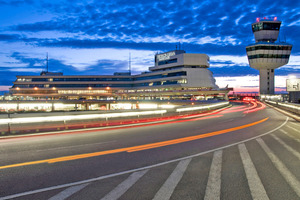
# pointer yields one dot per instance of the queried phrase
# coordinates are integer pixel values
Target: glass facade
(165, 75)
(157, 83)
(164, 62)
(111, 81)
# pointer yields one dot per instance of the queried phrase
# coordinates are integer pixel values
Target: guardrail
(12, 124)
(292, 107)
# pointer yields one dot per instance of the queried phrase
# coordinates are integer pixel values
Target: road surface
(243, 152)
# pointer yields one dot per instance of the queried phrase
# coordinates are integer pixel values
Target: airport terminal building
(176, 75)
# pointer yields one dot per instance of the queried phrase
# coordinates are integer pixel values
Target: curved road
(243, 152)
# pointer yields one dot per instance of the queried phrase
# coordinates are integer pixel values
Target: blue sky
(95, 37)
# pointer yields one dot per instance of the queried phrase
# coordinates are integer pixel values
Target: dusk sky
(95, 37)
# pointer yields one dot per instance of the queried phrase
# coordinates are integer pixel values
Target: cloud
(4, 88)
(238, 19)
(10, 37)
(96, 36)
(16, 2)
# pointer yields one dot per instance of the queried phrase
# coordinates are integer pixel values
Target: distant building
(176, 75)
(266, 55)
(293, 88)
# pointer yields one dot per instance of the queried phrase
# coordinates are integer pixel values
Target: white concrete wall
(200, 78)
(266, 81)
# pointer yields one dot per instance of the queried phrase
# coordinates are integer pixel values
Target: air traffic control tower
(265, 55)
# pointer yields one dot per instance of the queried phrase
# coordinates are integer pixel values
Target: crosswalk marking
(290, 149)
(68, 192)
(124, 186)
(295, 123)
(213, 187)
(256, 187)
(168, 187)
(288, 176)
(286, 133)
(293, 128)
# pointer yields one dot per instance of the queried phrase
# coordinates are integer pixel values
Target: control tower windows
(265, 26)
(268, 56)
(270, 47)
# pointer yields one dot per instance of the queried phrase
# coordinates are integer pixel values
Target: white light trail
(77, 117)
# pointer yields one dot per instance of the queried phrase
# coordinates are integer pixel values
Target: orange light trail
(134, 148)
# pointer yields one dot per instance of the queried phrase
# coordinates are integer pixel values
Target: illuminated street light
(108, 88)
(35, 88)
(18, 88)
(54, 88)
(89, 88)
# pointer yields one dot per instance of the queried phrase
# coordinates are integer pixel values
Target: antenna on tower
(47, 62)
(284, 38)
(129, 63)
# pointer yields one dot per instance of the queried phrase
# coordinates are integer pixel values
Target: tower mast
(129, 63)
(47, 62)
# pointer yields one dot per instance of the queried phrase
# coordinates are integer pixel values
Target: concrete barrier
(291, 107)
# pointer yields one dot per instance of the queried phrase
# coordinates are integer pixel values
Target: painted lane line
(134, 148)
(213, 187)
(256, 187)
(124, 186)
(169, 186)
(296, 123)
(287, 175)
(191, 138)
(290, 149)
(293, 128)
(68, 192)
(137, 169)
(287, 134)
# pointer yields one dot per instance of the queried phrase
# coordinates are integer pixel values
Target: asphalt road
(232, 154)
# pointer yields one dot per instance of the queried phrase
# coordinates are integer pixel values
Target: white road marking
(287, 134)
(213, 187)
(290, 149)
(135, 170)
(168, 187)
(293, 128)
(68, 192)
(288, 176)
(295, 123)
(124, 186)
(256, 187)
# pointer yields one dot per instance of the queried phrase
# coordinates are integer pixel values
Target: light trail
(134, 148)
(263, 106)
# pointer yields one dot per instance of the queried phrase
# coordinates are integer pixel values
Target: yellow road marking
(134, 148)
